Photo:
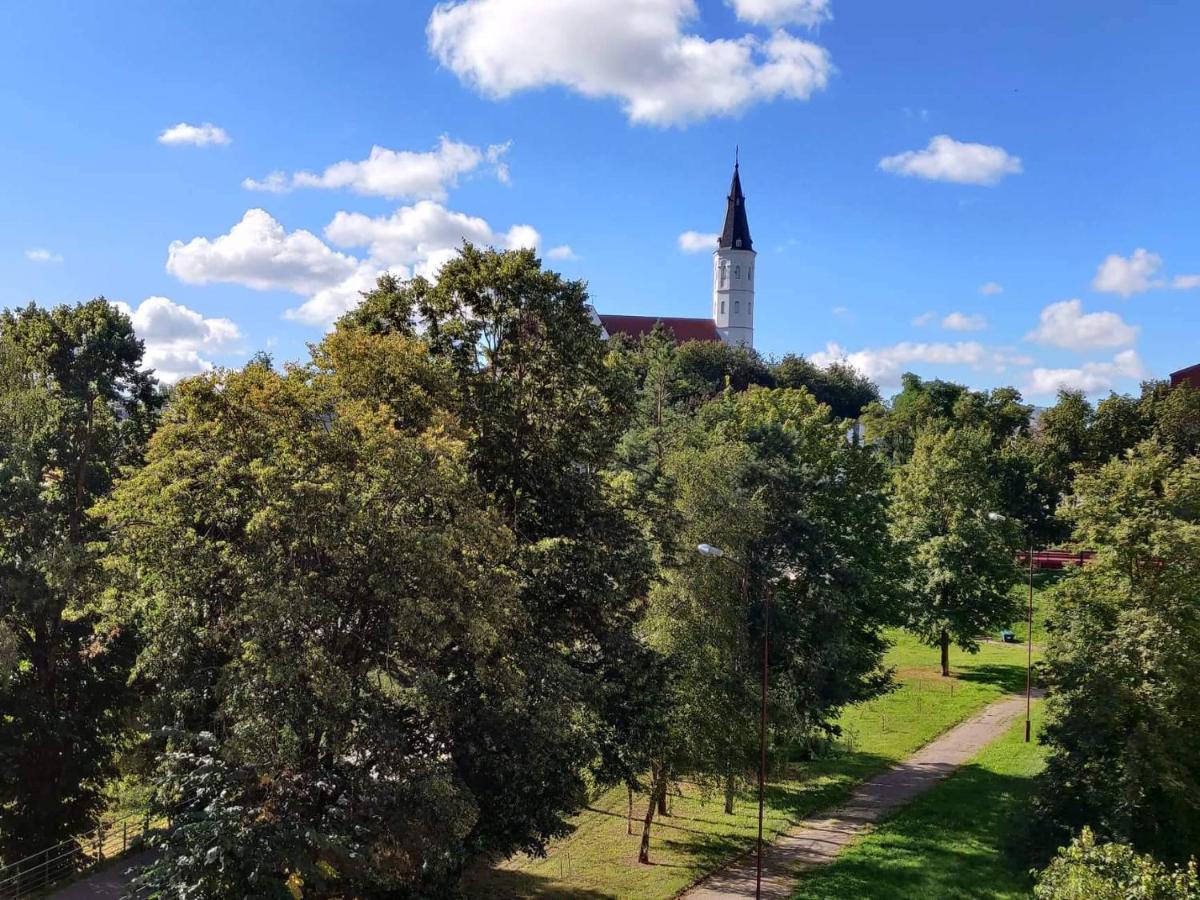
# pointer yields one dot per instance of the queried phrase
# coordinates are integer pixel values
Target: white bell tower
(733, 271)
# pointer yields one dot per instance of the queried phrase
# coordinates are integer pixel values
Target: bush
(1086, 870)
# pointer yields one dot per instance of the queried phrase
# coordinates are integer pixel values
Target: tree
(74, 407)
(1089, 870)
(769, 476)
(839, 385)
(1122, 657)
(961, 550)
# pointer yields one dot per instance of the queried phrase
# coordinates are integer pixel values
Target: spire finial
(736, 150)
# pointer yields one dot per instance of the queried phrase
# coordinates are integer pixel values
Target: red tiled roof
(1191, 375)
(684, 329)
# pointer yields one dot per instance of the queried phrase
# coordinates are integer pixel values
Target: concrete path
(819, 839)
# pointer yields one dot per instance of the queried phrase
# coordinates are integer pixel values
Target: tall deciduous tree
(74, 406)
(1122, 659)
(962, 551)
(769, 476)
(332, 631)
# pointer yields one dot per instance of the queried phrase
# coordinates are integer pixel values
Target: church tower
(733, 271)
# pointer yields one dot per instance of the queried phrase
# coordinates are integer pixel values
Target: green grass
(599, 859)
(950, 843)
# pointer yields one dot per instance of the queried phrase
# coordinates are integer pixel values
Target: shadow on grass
(1009, 679)
(504, 884)
(952, 842)
(816, 785)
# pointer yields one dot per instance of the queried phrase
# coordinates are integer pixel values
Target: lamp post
(711, 552)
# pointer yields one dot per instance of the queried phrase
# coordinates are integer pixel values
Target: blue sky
(897, 158)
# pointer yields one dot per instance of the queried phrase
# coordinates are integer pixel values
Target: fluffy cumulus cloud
(178, 339)
(259, 253)
(562, 252)
(1185, 282)
(395, 173)
(958, 321)
(885, 365)
(206, 135)
(924, 319)
(1130, 275)
(782, 12)
(1065, 324)
(946, 159)
(639, 53)
(42, 255)
(991, 288)
(423, 235)
(1089, 377)
(698, 242)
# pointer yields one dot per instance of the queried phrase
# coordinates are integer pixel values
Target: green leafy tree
(839, 385)
(961, 550)
(74, 406)
(769, 476)
(334, 636)
(1090, 870)
(1122, 659)
(543, 406)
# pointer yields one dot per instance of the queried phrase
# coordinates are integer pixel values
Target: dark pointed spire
(736, 233)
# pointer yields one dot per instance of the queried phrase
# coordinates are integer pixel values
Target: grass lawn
(599, 859)
(951, 842)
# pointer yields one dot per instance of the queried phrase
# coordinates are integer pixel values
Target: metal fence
(36, 874)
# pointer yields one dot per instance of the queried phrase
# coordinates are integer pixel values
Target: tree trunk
(658, 791)
(729, 788)
(662, 802)
(629, 814)
(945, 644)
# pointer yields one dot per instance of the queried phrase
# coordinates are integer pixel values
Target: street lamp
(711, 552)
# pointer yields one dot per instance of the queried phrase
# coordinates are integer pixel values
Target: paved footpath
(818, 839)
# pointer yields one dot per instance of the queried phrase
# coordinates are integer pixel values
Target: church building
(732, 318)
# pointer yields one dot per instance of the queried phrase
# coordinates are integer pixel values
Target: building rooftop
(684, 329)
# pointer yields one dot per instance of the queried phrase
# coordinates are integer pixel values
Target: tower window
(750, 273)
(722, 307)
(737, 271)
(749, 306)
(738, 242)
(737, 305)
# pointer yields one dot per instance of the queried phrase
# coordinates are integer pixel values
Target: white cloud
(259, 253)
(638, 53)
(781, 12)
(423, 235)
(42, 255)
(698, 242)
(840, 310)
(946, 159)
(395, 173)
(885, 365)
(991, 288)
(205, 135)
(328, 304)
(1128, 276)
(957, 321)
(176, 336)
(924, 319)
(1185, 282)
(1090, 377)
(1064, 324)
(561, 252)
